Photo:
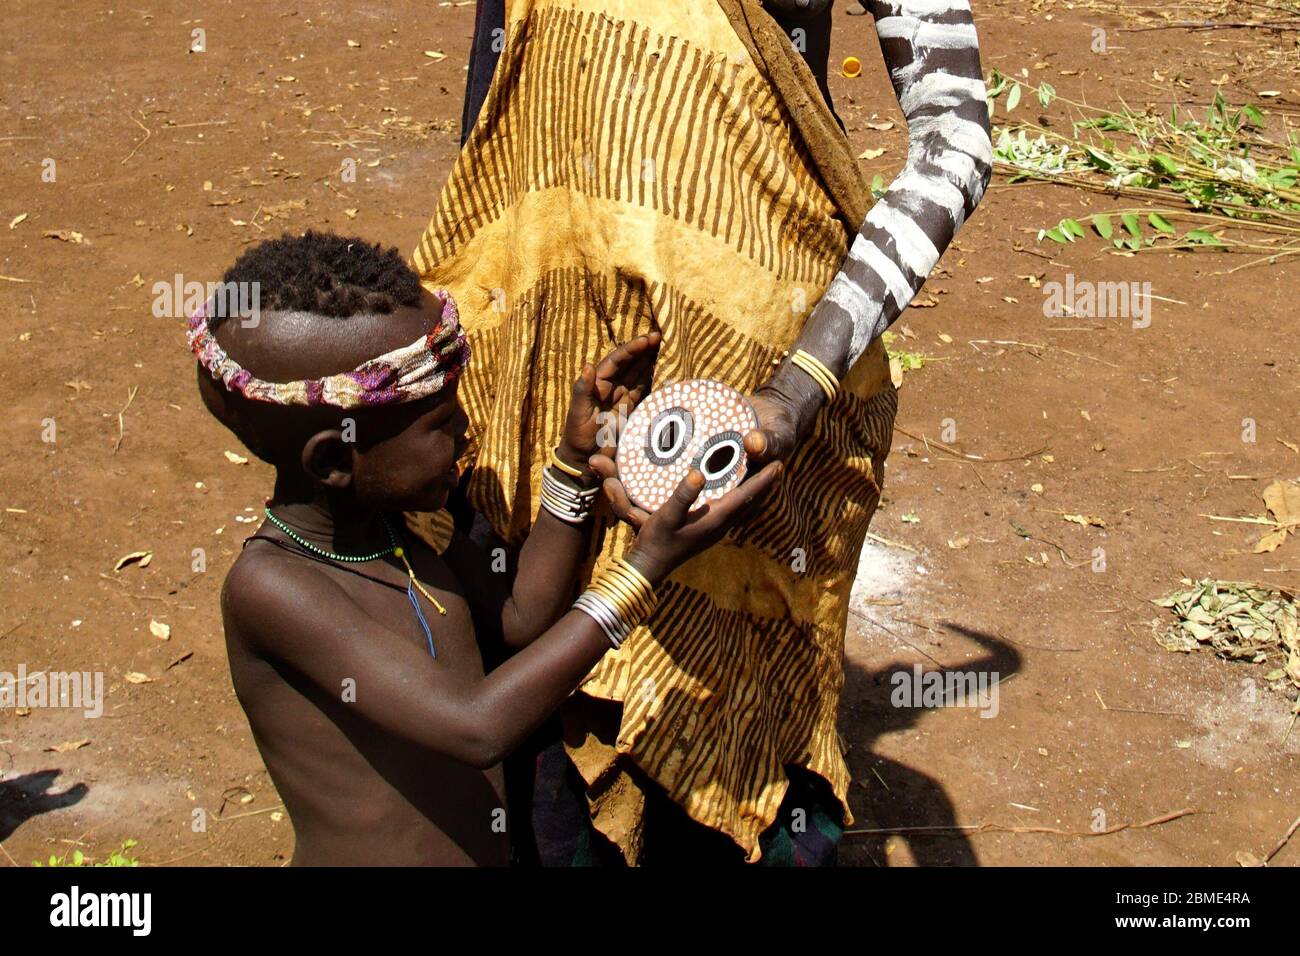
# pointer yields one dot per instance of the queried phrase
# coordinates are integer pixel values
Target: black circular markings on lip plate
(733, 438)
(685, 423)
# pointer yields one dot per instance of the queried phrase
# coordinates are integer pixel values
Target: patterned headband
(427, 365)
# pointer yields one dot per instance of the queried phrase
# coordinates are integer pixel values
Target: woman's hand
(787, 405)
(603, 396)
(778, 428)
(674, 533)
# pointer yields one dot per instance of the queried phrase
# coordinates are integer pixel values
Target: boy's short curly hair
(325, 274)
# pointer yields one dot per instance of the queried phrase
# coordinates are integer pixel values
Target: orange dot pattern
(701, 414)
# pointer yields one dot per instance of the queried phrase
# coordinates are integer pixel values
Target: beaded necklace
(395, 549)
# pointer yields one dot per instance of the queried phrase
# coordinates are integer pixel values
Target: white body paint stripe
(852, 298)
(955, 132)
(925, 8)
(941, 89)
(924, 35)
(864, 332)
(962, 170)
(867, 254)
(941, 191)
(915, 249)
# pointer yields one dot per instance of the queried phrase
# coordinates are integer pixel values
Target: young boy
(357, 651)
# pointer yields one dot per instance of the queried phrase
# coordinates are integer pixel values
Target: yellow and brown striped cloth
(637, 166)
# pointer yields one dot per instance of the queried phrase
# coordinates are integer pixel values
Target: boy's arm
(545, 579)
(294, 615)
(547, 568)
(515, 600)
(300, 618)
(932, 54)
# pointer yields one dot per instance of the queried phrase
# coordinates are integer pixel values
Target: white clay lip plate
(696, 424)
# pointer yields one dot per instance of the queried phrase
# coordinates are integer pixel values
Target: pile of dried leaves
(1239, 621)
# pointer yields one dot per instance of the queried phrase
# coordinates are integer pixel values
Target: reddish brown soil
(136, 125)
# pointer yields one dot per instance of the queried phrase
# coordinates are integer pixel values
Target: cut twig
(1295, 825)
(121, 423)
(1251, 519)
(250, 813)
(1201, 25)
(1031, 346)
(961, 454)
(190, 125)
(147, 133)
(894, 634)
(880, 539)
(1135, 710)
(1002, 828)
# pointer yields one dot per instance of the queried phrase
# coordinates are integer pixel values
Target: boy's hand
(674, 533)
(603, 396)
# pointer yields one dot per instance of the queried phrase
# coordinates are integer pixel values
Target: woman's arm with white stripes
(932, 54)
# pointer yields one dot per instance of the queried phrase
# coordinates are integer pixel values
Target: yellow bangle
(635, 600)
(566, 468)
(637, 575)
(627, 610)
(627, 588)
(818, 372)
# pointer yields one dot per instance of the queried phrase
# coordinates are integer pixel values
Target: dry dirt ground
(1140, 427)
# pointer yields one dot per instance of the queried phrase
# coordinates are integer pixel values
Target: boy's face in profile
(399, 457)
(411, 465)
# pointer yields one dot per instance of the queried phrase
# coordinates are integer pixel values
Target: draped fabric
(636, 166)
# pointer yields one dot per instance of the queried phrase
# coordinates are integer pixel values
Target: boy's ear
(327, 458)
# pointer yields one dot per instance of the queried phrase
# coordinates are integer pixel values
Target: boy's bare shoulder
(268, 585)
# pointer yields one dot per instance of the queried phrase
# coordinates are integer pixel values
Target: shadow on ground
(29, 795)
(885, 793)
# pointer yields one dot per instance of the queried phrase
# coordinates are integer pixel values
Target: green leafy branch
(1220, 171)
(117, 858)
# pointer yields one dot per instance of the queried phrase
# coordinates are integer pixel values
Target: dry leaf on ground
(1282, 498)
(142, 558)
(66, 235)
(67, 746)
(1085, 520)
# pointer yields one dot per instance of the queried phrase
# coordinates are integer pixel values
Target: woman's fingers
(623, 376)
(756, 443)
(643, 361)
